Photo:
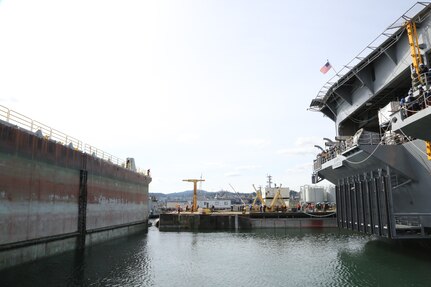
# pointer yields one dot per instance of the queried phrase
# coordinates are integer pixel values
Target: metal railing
(377, 47)
(421, 102)
(43, 131)
(363, 138)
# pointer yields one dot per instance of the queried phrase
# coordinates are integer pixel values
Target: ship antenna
(269, 180)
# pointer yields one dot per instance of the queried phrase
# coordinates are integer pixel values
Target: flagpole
(332, 67)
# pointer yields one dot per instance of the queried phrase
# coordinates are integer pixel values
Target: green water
(261, 258)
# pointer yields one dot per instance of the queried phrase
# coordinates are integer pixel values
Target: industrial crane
(258, 197)
(414, 46)
(239, 196)
(417, 61)
(195, 199)
(278, 198)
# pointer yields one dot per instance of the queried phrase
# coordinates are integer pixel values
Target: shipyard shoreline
(241, 222)
(56, 198)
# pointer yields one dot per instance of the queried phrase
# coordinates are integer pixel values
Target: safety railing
(378, 46)
(421, 102)
(330, 153)
(364, 138)
(43, 131)
(410, 225)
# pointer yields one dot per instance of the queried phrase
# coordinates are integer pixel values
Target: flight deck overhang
(363, 158)
(373, 73)
(413, 125)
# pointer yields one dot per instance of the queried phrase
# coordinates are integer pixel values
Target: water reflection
(381, 263)
(115, 263)
(294, 257)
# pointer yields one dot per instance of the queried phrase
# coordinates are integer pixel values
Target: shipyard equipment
(414, 46)
(258, 197)
(195, 200)
(277, 201)
(239, 196)
(417, 62)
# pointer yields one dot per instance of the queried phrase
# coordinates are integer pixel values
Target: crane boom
(258, 196)
(195, 200)
(417, 61)
(237, 194)
(414, 45)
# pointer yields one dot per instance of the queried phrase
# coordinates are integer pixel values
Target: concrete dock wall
(279, 223)
(202, 222)
(54, 198)
(214, 222)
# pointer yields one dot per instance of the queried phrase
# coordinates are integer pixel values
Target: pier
(241, 222)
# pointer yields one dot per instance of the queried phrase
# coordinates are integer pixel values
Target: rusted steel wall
(40, 185)
(115, 195)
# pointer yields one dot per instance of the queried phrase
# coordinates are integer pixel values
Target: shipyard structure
(58, 194)
(380, 158)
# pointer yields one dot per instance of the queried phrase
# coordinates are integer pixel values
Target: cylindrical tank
(319, 193)
(330, 194)
(312, 193)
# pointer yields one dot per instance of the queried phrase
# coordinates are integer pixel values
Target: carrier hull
(382, 190)
(380, 158)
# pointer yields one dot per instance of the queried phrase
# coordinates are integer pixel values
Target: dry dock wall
(202, 222)
(207, 222)
(293, 220)
(277, 223)
(54, 198)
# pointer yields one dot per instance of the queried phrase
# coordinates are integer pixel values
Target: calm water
(263, 258)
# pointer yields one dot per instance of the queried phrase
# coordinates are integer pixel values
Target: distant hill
(188, 194)
(235, 198)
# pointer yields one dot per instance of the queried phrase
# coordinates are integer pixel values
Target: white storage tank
(330, 193)
(312, 193)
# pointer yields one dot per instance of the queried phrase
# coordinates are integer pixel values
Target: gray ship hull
(382, 189)
(380, 159)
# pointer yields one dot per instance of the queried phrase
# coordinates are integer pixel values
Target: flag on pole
(326, 68)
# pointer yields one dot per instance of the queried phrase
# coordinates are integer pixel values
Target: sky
(217, 89)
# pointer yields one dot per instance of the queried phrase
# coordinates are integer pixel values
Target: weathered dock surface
(235, 221)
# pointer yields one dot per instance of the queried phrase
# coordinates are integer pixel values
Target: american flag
(326, 68)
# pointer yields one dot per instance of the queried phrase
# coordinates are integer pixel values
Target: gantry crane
(195, 199)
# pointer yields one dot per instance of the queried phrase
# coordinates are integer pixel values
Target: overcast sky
(188, 88)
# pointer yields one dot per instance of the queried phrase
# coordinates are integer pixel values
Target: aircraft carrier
(380, 159)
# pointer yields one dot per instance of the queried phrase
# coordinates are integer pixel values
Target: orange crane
(195, 196)
(278, 198)
(414, 45)
(417, 61)
(258, 197)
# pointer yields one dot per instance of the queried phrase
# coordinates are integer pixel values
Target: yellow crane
(278, 198)
(195, 196)
(414, 45)
(417, 61)
(258, 197)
